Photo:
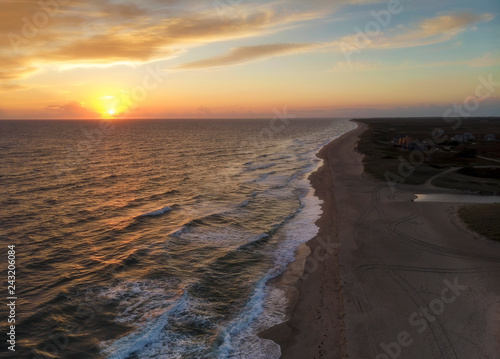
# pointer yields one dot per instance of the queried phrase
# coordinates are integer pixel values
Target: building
(457, 138)
(467, 136)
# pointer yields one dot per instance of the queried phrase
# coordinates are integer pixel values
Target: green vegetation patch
(385, 160)
(480, 172)
(483, 219)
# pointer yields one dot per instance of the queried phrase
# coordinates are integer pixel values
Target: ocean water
(155, 239)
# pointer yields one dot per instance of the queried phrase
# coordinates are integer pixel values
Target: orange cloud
(71, 110)
(11, 87)
(14, 67)
(249, 53)
(428, 31)
(40, 35)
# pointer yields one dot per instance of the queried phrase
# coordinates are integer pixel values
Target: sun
(110, 106)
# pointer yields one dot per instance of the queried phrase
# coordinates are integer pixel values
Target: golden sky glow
(231, 58)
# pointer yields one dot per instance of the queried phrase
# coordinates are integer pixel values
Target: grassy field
(385, 161)
(458, 180)
(483, 219)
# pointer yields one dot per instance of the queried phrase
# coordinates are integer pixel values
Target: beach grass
(382, 157)
(483, 219)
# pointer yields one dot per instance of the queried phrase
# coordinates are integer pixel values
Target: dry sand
(386, 272)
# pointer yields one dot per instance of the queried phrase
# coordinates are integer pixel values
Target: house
(490, 137)
(438, 133)
(415, 146)
(457, 138)
(404, 141)
(467, 136)
(401, 140)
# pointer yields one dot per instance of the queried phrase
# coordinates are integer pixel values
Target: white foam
(265, 307)
(146, 335)
(157, 212)
(268, 305)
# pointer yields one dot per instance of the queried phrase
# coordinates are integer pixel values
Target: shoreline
(388, 258)
(311, 258)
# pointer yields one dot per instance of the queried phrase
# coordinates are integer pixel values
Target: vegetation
(383, 157)
(483, 219)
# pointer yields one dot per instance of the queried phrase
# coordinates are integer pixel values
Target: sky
(76, 59)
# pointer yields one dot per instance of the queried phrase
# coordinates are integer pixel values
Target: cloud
(245, 54)
(449, 24)
(428, 31)
(11, 87)
(103, 49)
(72, 109)
(358, 66)
(161, 39)
(14, 68)
(485, 61)
(40, 36)
(355, 66)
(204, 110)
(126, 32)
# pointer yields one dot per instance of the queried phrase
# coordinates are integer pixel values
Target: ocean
(154, 238)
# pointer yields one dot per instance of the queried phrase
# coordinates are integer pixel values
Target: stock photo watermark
(59, 340)
(31, 25)
(225, 7)
(420, 320)
(323, 250)
(130, 100)
(374, 28)
(120, 106)
(11, 296)
(279, 123)
(91, 141)
(454, 115)
(87, 311)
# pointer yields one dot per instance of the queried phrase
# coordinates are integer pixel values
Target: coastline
(388, 259)
(314, 260)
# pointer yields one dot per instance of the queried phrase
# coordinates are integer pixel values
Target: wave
(149, 335)
(235, 331)
(263, 176)
(211, 220)
(244, 203)
(178, 331)
(256, 241)
(158, 212)
(259, 166)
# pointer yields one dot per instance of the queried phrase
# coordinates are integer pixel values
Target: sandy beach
(388, 277)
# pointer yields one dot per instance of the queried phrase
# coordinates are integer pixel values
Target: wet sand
(388, 277)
